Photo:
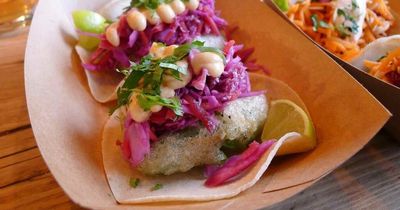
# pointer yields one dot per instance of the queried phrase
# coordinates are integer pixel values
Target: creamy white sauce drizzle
(349, 17)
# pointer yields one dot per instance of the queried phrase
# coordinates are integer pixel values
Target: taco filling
(184, 102)
(343, 27)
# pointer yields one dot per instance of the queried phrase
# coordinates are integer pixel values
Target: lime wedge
(88, 21)
(284, 117)
(282, 4)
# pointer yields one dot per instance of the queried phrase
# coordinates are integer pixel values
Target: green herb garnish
(318, 23)
(324, 24)
(174, 67)
(382, 57)
(314, 19)
(148, 4)
(151, 72)
(134, 182)
(157, 187)
(147, 101)
(343, 30)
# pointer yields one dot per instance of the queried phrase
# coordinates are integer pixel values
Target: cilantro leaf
(382, 57)
(134, 182)
(341, 12)
(148, 4)
(124, 92)
(318, 23)
(324, 24)
(345, 30)
(314, 19)
(146, 101)
(157, 187)
(174, 67)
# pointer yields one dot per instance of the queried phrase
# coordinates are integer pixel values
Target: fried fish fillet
(242, 120)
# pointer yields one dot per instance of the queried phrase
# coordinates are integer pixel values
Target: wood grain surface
(369, 180)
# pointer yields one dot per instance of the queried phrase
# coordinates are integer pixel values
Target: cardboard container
(68, 122)
(384, 92)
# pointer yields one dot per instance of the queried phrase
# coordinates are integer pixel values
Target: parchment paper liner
(68, 123)
(385, 92)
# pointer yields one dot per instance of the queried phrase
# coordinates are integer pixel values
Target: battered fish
(242, 120)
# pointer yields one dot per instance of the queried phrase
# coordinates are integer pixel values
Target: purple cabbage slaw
(206, 95)
(134, 44)
(235, 165)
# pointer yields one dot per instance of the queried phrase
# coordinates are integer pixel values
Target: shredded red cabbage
(205, 96)
(136, 143)
(394, 77)
(134, 45)
(200, 81)
(236, 165)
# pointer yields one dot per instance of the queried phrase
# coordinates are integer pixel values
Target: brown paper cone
(386, 93)
(68, 123)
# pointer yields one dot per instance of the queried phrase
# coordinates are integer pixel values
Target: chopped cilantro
(345, 30)
(341, 12)
(342, 30)
(151, 72)
(314, 19)
(233, 147)
(382, 57)
(318, 23)
(146, 101)
(174, 67)
(324, 24)
(134, 182)
(148, 4)
(157, 187)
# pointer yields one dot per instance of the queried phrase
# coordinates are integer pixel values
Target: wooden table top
(371, 179)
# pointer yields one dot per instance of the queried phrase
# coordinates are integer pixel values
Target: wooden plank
(370, 180)
(19, 157)
(13, 111)
(16, 142)
(21, 166)
(17, 44)
(41, 192)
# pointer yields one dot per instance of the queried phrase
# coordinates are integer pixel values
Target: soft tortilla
(102, 84)
(375, 50)
(185, 186)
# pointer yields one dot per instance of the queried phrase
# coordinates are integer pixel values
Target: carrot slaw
(316, 19)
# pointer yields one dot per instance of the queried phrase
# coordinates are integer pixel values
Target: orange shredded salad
(387, 68)
(377, 22)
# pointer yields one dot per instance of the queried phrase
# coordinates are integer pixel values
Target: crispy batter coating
(241, 120)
